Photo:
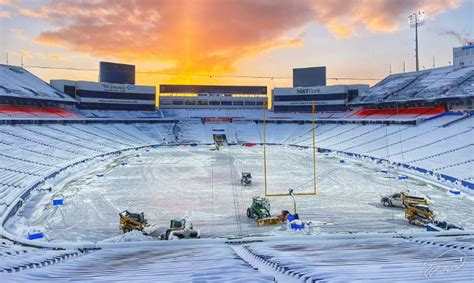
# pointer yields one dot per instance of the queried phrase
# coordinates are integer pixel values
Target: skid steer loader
(132, 221)
(419, 214)
(179, 230)
(246, 179)
(417, 210)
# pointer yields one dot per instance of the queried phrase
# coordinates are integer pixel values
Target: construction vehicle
(417, 210)
(413, 199)
(259, 209)
(398, 199)
(179, 230)
(246, 179)
(132, 221)
(418, 214)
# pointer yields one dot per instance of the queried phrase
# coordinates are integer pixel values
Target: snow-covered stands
(419, 170)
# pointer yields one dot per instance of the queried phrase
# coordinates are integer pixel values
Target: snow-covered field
(204, 187)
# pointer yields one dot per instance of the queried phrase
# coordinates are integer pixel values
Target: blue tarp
(421, 170)
(468, 185)
(448, 178)
(35, 236)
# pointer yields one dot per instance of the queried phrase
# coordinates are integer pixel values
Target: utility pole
(404, 66)
(415, 20)
(7, 57)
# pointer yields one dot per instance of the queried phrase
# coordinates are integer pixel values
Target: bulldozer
(132, 221)
(246, 179)
(179, 230)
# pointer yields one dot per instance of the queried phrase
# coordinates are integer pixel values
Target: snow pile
(133, 236)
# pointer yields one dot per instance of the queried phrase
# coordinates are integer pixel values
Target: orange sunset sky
(354, 39)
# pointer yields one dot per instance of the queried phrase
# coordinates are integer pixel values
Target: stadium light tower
(416, 19)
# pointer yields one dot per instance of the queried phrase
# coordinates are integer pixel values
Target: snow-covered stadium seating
(16, 82)
(9, 112)
(30, 152)
(445, 82)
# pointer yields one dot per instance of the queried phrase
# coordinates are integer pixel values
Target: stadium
(311, 183)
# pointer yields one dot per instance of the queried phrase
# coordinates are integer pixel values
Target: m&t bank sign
(307, 90)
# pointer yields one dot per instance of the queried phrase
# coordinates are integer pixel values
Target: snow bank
(133, 236)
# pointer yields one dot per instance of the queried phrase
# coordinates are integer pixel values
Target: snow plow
(260, 210)
(132, 221)
(246, 179)
(179, 230)
(417, 209)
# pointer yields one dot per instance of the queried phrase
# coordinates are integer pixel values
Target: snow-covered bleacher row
(16, 82)
(445, 82)
(16, 258)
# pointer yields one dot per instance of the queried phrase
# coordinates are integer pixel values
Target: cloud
(56, 57)
(7, 2)
(210, 35)
(345, 18)
(4, 14)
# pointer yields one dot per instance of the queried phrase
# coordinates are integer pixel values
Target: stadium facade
(116, 90)
(108, 96)
(325, 98)
(212, 96)
(463, 56)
